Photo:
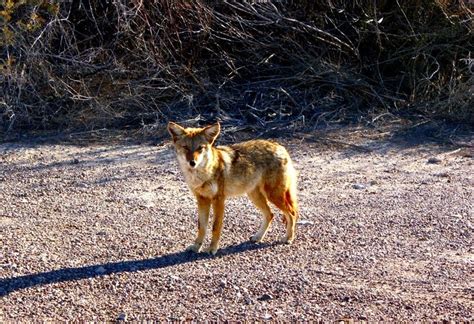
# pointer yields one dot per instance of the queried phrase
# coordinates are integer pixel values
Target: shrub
(274, 64)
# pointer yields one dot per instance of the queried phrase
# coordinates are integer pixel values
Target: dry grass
(269, 66)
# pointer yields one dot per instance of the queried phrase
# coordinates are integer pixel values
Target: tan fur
(261, 169)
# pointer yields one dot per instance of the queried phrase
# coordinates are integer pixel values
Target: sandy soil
(97, 232)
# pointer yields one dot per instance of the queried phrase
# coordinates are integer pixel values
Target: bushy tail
(291, 202)
(282, 192)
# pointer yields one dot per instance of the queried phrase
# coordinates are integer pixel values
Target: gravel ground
(98, 232)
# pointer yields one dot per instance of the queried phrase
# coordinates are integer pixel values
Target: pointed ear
(211, 132)
(175, 130)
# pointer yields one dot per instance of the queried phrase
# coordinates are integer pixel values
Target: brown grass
(273, 66)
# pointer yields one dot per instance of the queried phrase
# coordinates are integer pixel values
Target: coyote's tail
(291, 202)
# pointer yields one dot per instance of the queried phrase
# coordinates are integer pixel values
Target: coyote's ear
(175, 130)
(211, 132)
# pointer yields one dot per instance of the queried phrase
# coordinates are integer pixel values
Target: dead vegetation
(273, 65)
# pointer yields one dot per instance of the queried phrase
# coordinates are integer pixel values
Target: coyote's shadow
(9, 285)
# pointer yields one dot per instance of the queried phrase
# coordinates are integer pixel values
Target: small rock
(100, 270)
(358, 186)
(248, 300)
(346, 299)
(75, 161)
(267, 316)
(434, 160)
(121, 317)
(265, 297)
(176, 278)
(147, 205)
(372, 190)
(304, 222)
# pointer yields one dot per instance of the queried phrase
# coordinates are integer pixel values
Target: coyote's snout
(261, 169)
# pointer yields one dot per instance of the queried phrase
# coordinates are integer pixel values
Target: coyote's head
(193, 145)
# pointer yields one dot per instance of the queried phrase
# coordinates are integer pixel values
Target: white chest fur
(198, 180)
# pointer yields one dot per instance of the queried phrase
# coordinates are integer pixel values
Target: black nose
(192, 163)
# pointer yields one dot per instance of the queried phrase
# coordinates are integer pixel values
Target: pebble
(267, 316)
(248, 300)
(359, 186)
(304, 222)
(176, 278)
(265, 297)
(434, 160)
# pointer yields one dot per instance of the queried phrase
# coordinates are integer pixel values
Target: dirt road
(97, 232)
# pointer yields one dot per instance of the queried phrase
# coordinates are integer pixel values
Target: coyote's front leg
(204, 205)
(218, 207)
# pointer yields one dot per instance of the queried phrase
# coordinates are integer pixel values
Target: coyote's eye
(201, 148)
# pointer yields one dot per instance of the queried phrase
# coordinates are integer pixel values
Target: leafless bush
(275, 64)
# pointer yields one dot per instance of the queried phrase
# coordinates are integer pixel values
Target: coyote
(259, 168)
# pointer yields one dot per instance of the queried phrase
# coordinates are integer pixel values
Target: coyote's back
(267, 166)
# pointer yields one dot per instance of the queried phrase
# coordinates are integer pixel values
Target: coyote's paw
(212, 250)
(286, 240)
(256, 238)
(194, 248)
